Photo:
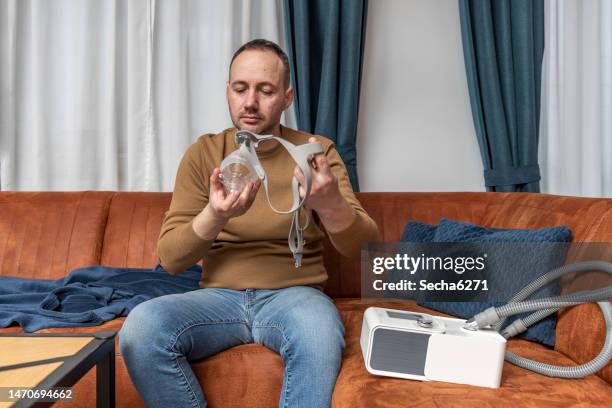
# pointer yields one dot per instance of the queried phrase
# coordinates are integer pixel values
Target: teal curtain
(503, 46)
(325, 41)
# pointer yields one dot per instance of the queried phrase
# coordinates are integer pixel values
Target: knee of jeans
(142, 329)
(321, 333)
(323, 350)
(331, 328)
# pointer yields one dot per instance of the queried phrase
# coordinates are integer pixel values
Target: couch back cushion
(46, 235)
(134, 223)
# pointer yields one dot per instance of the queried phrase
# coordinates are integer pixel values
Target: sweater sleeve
(178, 246)
(363, 228)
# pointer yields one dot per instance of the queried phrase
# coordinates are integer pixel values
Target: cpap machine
(419, 346)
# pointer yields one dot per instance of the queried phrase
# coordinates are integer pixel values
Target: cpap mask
(242, 166)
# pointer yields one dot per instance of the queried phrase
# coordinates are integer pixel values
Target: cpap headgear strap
(246, 156)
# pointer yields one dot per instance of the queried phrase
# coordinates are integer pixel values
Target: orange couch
(46, 235)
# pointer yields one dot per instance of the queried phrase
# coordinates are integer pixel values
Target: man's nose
(251, 100)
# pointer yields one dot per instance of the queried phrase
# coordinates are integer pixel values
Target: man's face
(256, 92)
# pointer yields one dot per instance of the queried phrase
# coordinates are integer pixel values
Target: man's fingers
(215, 179)
(321, 161)
(216, 187)
(254, 190)
(312, 162)
(243, 196)
(297, 172)
(253, 193)
(231, 199)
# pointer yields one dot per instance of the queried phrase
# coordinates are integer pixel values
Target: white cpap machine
(418, 346)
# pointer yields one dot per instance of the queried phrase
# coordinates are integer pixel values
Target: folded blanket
(87, 296)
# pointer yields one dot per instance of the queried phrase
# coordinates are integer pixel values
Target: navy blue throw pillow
(454, 231)
(415, 231)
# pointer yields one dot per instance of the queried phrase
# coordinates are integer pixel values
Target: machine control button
(425, 321)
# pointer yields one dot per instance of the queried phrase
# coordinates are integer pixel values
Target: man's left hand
(325, 197)
(324, 191)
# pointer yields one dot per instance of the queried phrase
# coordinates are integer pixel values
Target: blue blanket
(86, 297)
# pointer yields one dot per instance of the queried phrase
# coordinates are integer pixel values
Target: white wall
(415, 128)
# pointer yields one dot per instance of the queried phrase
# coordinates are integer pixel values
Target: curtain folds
(503, 43)
(576, 142)
(325, 42)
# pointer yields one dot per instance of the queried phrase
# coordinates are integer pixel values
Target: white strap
(301, 154)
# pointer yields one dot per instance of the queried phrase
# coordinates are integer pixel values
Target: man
(251, 290)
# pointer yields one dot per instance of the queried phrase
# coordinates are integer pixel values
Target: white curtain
(108, 94)
(576, 122)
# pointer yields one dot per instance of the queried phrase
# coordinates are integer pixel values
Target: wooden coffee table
(43, 366)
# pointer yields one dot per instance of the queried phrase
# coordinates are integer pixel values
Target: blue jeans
(161, 336)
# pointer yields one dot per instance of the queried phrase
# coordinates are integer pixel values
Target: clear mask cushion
(237, 171)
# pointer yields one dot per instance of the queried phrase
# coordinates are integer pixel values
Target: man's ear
(227, 89)
(288, 97)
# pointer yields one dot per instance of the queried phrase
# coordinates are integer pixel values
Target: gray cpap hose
(544, 307)
(552, 276)
(579, 371)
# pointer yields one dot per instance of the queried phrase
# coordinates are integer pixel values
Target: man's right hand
(221, 207)
(234, 204)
